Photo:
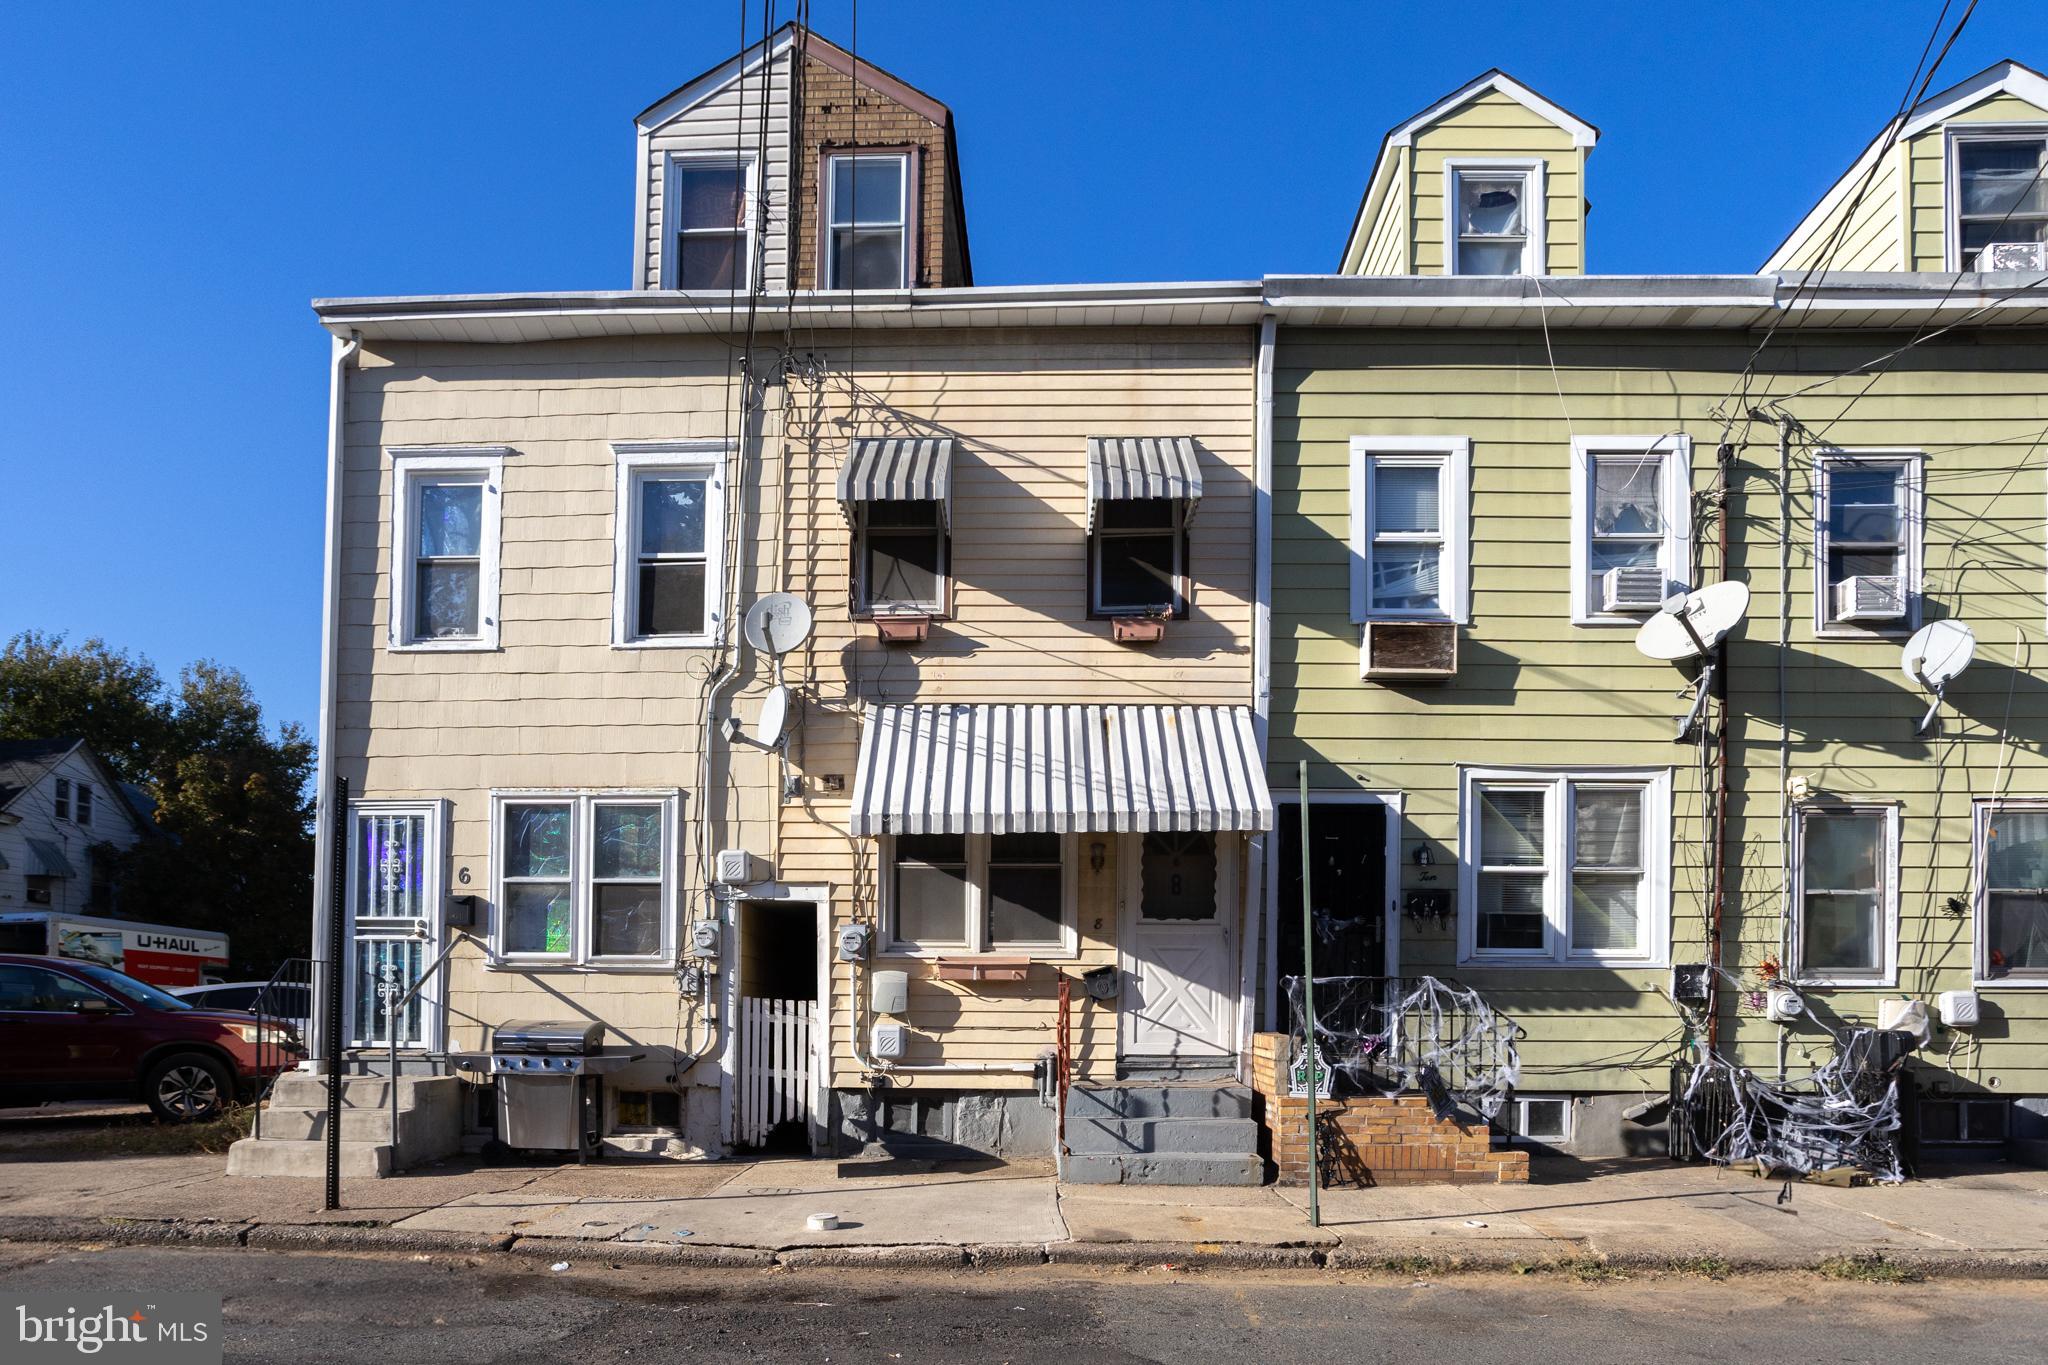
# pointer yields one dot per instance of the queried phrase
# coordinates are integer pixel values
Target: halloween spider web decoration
(1387, 1034)
(1845, 1114)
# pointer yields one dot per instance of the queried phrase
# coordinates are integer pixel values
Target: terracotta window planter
(982, 968)
(1139, 630)
(903, 630)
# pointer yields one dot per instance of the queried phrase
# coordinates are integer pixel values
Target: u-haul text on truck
(161, 954)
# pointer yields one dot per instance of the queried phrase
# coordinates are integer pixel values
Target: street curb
(1187, 1255)
(136, 1231)
(874, 1258)
(330, 1237)
(704, 1256)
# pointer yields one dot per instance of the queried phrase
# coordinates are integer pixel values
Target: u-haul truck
(160, 954)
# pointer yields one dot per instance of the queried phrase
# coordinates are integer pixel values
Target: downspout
(1784, 712)
(342, 352)
(1726, 460)
(1262, 664)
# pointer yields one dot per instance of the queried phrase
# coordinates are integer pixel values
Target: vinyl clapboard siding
(1534, 689)
(1874, 235)
(730, 119)
(1493, 125)
(1387, 243)
(1928, 173)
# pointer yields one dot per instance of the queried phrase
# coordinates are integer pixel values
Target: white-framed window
(63, 798)
(1493, 216)
(584, 878)
(1410, 512)
(1868, 528)
(900, 550)
(2012, 893)
(445, 514)
(1631, 509)
(84, 803)
(707, 239)
(668, 547)
(867, 220)
(1564, 868)
(1137, 557)
(1997, 188)
(979, 893)
(1543, 1119)
(1845, 895)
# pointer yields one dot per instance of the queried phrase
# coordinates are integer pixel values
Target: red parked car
(76, 1030)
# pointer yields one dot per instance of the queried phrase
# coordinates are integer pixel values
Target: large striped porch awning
(999, 769)
(898, 469)
(1142, 467)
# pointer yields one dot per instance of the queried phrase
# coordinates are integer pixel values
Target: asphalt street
(307, 1309)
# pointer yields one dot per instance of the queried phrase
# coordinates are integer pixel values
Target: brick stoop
(1373, 1139)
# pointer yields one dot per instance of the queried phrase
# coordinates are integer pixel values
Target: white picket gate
(776, 1038)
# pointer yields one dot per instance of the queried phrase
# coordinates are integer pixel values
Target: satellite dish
(777, 623)
(773, 721)
(1692, 623)
(1938, 652)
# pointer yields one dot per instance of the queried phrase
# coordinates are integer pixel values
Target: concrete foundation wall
(1008, 1124)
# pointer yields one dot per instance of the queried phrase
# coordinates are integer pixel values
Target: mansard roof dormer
(1488, 180)
(800, 166)
(1961, 170)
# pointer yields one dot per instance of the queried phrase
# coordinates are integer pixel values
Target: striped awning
(992, 769)
(898, 469)
(45, 859)
(1142, 467)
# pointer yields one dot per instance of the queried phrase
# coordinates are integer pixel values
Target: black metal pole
(337, 906)
(1308, 1008)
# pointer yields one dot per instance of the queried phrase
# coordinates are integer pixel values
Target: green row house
(1490, 466)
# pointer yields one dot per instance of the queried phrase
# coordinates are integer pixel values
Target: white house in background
(59, 801)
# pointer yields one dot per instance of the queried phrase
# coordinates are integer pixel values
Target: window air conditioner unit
(1639, 587)
(2014, 256)
(1413, 651)
(1870, 598)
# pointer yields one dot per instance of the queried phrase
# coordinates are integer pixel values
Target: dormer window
(1495, 225)
(867, 212)
(2001, 192)
(707, 218)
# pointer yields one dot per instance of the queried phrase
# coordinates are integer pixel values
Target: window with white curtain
(1631, 508)
(1493, 217)
(2012, 892)
(1845, 873)
(707, 207)
(1409, 512)
(1868, 524)
(1564, 868)
(668, 543)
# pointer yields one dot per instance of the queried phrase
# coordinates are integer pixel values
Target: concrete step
(1169, 1168)
(269, 1156)
(1171, 1100)
(1194, 1137)
(303, 1090)
(357, 1125)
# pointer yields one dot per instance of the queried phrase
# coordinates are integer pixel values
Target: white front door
(1175, 949)
(394, 899)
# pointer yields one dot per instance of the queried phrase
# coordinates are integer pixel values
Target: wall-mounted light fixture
(1097, 853)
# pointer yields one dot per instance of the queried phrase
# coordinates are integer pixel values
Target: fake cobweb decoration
(1844, 1115)
(1386, 1035)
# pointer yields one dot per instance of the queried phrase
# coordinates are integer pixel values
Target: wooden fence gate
(776, 1038)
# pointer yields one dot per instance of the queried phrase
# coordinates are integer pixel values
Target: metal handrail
(391, 1034)
(293, 971)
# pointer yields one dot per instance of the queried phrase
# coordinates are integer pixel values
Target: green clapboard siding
(1534, 689)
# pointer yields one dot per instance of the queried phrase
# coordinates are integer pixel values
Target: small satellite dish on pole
(777, 623)
(1938, 652)
(1692, 625)
(773, 722)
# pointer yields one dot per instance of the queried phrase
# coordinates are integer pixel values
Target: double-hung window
(707, 217)
(85, 803)
(867, 218)
(1565, 868)
(1137, 557)
(1409, 511)
(1845, 895)
(1999, 190)
(63, 798)
(1631, 512)
(900, 553)
(1868, 531)
(667, 553)
(444, 535)
(1493, 217)
(584, 878)
(979, 893)
(2012, 892)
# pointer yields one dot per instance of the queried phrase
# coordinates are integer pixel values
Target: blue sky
(182, 179)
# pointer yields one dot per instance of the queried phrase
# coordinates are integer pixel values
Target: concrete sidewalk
(921, 1213)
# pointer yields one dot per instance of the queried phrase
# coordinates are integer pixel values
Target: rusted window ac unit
(1635, 588)
(1412, 651)
(1868, 597)
(2014, 256)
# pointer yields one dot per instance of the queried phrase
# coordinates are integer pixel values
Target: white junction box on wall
(890, 993)
(891, 1041)
(1958, 1009)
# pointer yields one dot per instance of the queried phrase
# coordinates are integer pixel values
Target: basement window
(1542, 1118)
(647, 1111)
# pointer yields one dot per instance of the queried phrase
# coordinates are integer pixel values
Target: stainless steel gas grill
(550, 1079)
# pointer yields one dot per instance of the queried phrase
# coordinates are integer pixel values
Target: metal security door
(1178, 964)
(776, 1061)
(394, 921)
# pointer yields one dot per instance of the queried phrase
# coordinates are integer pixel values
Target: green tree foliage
(234, 798)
